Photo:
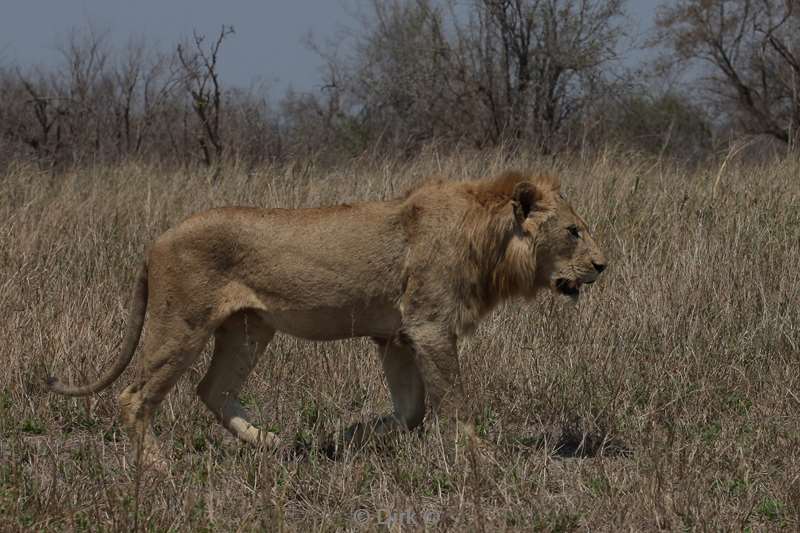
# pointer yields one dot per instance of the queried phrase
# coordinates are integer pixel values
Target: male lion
(413, 274)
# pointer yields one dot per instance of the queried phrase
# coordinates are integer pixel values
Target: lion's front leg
(408, 398)
(437, 358)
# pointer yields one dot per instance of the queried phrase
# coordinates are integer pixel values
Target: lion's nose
(599, 266)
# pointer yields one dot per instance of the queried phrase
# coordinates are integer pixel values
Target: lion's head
(551, 241)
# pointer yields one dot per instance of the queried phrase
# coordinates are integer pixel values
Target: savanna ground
(668, 398)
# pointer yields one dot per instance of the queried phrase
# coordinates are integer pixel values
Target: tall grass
(668, 398)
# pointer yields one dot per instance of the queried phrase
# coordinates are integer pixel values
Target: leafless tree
(753, 50)
(33, 116)
(144, 82)
(201, 81)
(491, 71)
(547, 48)
(84, 87)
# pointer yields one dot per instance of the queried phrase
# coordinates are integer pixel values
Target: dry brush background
(668, 398)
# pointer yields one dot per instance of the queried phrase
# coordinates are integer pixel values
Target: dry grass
(668, 398)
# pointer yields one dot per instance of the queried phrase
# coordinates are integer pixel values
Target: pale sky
(268, 45)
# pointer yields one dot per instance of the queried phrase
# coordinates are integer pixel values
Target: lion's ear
(525, 198)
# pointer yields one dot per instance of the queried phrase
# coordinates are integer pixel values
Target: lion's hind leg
(169, 350)
(238, 344)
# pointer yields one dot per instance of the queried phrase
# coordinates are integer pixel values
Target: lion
(414, 274)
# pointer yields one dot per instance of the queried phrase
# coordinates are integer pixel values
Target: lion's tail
(134, 331)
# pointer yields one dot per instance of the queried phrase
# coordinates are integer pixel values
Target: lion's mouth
(568, 287)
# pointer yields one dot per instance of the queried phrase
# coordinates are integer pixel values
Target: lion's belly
(325, 324)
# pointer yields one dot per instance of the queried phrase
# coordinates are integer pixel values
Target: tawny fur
(414, 274)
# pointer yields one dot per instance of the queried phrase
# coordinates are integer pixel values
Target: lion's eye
(574, 231)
